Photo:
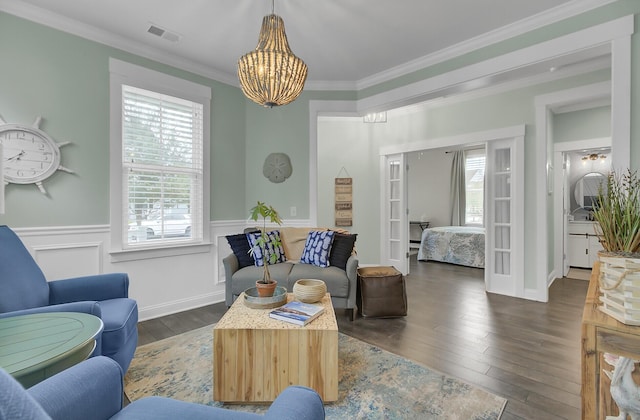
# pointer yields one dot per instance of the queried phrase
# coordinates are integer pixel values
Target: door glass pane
(503, 215)
(394, 250)
(503, 160)
(394, 190)
(395, 210)
(503, 263)
(394, 170)
(502, 239)
(503, 186)
(394, 230)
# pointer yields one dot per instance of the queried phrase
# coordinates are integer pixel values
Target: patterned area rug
(373, 383)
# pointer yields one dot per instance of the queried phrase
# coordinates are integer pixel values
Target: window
(474, 161)
(162, 158)
(159, 174)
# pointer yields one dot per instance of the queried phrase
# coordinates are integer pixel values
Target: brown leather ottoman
(381, 292)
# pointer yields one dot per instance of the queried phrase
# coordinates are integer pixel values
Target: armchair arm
(231, 265)
(297, 403)
(92, 389)
(97, 287)
(87, 307)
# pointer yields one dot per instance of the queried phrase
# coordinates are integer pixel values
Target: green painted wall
(581, 125)
(65, 79)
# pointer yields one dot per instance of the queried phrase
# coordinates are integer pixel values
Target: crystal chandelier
(271, 75)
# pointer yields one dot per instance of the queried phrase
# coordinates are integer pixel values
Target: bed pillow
(272, 246)
(317, 248)
(240, 247)
(341, 249)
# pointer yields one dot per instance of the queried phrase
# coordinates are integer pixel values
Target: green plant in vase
(617, 211)
(265, 212)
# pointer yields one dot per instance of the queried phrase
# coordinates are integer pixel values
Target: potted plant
(266, 285)
(617, 213)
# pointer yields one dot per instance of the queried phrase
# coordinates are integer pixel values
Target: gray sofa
(341, 284)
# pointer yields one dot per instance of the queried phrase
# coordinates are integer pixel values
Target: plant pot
(266, 289)
(619, 285)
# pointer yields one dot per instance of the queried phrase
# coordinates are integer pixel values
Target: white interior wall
(429, 186)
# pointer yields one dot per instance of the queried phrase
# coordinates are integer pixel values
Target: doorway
(504, 204)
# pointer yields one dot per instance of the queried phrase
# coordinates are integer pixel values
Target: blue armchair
(93, 390)
(24, 290)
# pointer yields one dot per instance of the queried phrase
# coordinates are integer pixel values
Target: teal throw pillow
(273, 246)
(317, 248)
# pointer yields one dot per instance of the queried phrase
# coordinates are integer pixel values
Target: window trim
(121, 73)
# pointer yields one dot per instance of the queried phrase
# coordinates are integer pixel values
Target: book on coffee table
(297, 312)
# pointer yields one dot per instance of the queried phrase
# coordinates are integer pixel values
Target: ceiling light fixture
(375, 117)
(271, 75)
(593, 156)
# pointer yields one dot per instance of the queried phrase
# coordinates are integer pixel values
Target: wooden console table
(602, 333)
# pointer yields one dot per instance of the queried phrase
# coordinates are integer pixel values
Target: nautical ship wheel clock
(29, 154)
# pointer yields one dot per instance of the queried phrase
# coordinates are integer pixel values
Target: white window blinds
(162, 157)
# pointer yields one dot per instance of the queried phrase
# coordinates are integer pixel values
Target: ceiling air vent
(163, 33)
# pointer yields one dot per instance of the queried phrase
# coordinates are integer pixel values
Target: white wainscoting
(161, 286)
(59, 261)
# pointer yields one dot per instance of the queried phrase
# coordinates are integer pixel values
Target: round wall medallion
(277, 167)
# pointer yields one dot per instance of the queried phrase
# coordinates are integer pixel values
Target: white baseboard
(168, 308)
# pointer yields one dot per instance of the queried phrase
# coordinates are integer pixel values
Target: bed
(462, 245)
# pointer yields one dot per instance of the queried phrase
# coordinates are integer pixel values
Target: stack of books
(297, 312)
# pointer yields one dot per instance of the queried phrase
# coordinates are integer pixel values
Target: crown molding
(74, 27)
(556, 14)
(520, 83)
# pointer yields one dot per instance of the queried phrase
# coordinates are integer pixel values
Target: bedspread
(462, 245)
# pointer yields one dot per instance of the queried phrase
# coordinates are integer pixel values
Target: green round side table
(36, 346)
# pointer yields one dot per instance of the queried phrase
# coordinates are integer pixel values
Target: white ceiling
(347, 44)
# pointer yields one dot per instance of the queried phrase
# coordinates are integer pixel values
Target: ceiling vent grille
(163, 33)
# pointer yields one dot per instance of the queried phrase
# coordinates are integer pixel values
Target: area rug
(373, 383)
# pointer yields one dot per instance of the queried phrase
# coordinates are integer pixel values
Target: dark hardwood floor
(527, 352)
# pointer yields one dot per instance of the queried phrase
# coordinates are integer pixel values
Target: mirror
(588, 187)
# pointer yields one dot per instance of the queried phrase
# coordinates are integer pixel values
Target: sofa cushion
(317, 248)
(341, 249)
(335, 278)
(273, 246)
(294, 239)
(240, 247)
(247, 277)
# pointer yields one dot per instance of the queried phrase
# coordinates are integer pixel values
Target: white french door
(504, 217)
(395, 229)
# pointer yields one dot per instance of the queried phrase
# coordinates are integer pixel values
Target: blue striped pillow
(317, 248)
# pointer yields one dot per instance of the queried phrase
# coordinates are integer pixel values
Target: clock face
(29, 154)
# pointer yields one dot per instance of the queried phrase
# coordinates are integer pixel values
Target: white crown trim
(62, 23)
(556, 14)
(74, 27)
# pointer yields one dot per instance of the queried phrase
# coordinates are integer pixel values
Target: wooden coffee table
(255, 357)
(36, 346)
